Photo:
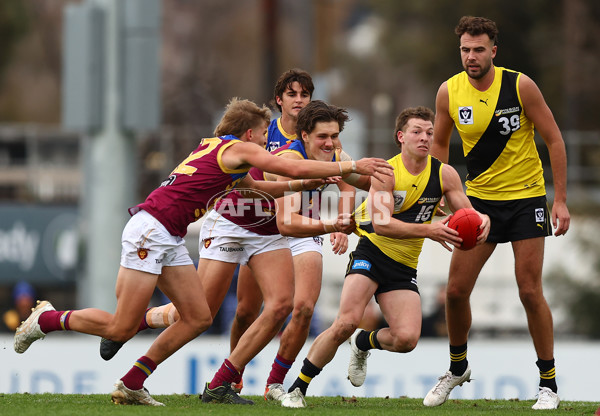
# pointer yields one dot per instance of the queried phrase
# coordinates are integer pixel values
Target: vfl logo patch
(361, 265)
(540, 215)
(142, 253)
(465, 115)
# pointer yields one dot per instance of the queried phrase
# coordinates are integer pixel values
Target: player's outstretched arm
(248, 154)
(274, 190)
(354, 179)
(291, 223)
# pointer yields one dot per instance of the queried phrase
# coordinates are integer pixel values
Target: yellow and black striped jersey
(498, 138)
(415, 201)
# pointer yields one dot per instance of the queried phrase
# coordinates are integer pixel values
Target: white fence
(64, 363)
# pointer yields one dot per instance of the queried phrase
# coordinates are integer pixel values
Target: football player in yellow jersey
(393, 223)
(495, 111)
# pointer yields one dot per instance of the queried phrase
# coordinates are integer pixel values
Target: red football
(466, 221)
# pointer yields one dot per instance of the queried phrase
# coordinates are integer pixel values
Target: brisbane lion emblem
(142, 253)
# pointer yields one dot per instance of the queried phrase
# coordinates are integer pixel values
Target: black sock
(547, 374)
(307, 373)
(367, 340)
(458, 359)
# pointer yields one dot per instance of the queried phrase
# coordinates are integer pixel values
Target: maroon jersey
(193, 187)
(258, 214)
(254, 214)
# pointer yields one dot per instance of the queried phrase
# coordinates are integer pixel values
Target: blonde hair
(240, 116)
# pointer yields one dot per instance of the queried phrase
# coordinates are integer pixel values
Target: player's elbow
(285, 229)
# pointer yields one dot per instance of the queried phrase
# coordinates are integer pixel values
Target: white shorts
(222, 240)
(146, 245)
(300, 245)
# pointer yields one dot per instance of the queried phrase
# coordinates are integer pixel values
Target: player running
(153, 248)
(392, 223)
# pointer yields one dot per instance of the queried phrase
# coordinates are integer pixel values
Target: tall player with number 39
(495, 111)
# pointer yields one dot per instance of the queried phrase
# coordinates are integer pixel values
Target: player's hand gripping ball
(466, 221)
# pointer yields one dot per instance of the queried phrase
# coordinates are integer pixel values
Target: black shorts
(367, 259)
(515, 220)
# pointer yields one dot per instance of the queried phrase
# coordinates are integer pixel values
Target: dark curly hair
(475, 26)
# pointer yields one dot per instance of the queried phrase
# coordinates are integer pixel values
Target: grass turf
(99, 404)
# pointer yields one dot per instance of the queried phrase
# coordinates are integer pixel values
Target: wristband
(301, 186)
(340, 165)
(353, 166)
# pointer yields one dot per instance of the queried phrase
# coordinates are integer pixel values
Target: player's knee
(198, 321)
(121, 333)
(531, 296)
(455, 294)
(404, 342)
(245, 315)
(202, 323)
(303, 311)
(279, 309)
(343, 329)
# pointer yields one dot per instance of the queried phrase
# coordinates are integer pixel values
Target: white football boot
(357, 367)
(440, 392)
(29, 330)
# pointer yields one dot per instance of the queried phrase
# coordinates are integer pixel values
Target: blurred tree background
(579, 298)
(213, 50)
(374, 56)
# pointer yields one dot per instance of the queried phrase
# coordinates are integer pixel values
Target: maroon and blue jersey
(193, 187)
(277, 137)
(311, 200)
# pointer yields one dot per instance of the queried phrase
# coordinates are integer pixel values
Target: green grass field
(97, 404)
